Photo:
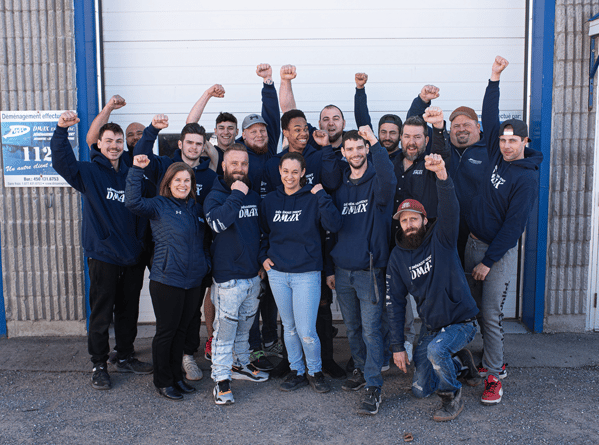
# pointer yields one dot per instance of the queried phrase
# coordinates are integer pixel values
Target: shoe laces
(491, 385)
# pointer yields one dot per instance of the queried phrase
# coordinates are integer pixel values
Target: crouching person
(425, 263)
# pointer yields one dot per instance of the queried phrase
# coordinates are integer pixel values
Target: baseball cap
(464, 111)
(251, 120)
(520, 128)
(410, 205)
(391, 119)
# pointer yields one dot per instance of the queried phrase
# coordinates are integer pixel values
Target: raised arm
(198, 108)
(361, 113)
(102, 118)
(386, 180)
(133, 191)
(490, 114)
(63, 159)
(145, 146)
(270, 108)
(286, 98)
(439, 138)
(423, 100)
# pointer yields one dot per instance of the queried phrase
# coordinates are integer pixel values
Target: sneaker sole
(492, 402)
(194, 379)
(236, 376)
(347, 388)
(319, 391)
(101, 388)
(365, 412)
(221, 402)
(447, 419)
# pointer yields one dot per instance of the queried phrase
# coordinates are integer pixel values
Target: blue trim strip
(535, 262)
(2, 307)
(87, 88)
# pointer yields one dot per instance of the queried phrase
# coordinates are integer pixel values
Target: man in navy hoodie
(192, 143)
(231, 210)
(113, 242)
(360, 254)
(497, 219)
(425, 264)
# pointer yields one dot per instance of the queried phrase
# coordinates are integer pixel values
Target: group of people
(417, 215)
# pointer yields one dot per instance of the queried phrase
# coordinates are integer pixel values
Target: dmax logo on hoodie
(310, 178)
(351, 208)
(286, 216)
(422, 268)
(115, 195)
(198, 189)
(496, 180)
(248, 211)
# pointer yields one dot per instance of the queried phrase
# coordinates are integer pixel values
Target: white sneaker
(248, 372)
(409, 348)
(192, 371)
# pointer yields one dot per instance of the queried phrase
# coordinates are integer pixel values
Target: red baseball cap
(410, 205)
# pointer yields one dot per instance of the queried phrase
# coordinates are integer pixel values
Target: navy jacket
(159, 164)
(233, 217)
(291, 225)
(110, 232)
(181, 258)
(366, 210)
(432, 273)
(272, 177)
(499, 212)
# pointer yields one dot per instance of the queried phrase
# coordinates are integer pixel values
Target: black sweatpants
(192, 338)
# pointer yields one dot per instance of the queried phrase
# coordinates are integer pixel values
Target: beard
(258, 150)
(413, 240)
(414, 156)
(230, 179)
(335, 137)
(389, 145)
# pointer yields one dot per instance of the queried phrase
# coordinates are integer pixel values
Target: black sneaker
(100, 377)
(370, 402)
(355, 382)
(260, 362)
(293, 382)
(135, 366)
(318, 383)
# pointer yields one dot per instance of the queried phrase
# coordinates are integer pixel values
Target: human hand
(288, 72)
(216, 90)
(264, 70)
(316, 189)
(141, 161)
(434, 116)
(67, 119)
(480, 272)
(361, 79)
(499, 64)
(331, 282)
(401, 360)
(240, 185)
(268, 264)
(116, 102)
(435, 163)
(160, 121)
(366, 132)
(428, 93)
(321, 137)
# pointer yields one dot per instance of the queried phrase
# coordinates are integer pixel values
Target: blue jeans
(298, 296)
(235, 305)
(355, 294)
(436, 369)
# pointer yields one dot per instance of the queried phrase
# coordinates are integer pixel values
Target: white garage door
(161, 56)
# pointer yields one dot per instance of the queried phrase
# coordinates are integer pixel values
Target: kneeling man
(425, 263)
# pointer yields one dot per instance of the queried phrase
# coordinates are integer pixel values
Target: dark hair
(226, 117)
(291, 114)
(329, 107)
(165, 185)
(353, 135)
(193, 128)
(235, 147)
(391, 119)
(293, 156)
(415, 121)
(110, 126)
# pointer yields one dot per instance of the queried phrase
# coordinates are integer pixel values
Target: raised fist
(216, 90)
(288, 72)
(361, 79)
(435, 163)
(321, 137)
(264, 70)
(434, 116)
(141, 161)
(240, 185)
(428, 93)
(67, 119)
(366, 132)
(498, 66)
(160, 121)
(116, 102)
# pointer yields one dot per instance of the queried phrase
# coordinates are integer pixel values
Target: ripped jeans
(235, 303)
(436, 369)
(297, 296)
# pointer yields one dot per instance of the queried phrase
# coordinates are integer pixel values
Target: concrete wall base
(564, 323)
(41, 328)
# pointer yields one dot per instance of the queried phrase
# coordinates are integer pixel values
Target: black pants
(192, 338)
(324, 320)
(174, 308)
(113, 289)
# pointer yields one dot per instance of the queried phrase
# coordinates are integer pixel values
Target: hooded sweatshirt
(500, 211)
(291, 225)
(110, 232)
(432, 273)
(233, 217)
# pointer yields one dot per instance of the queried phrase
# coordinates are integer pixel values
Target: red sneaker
(208, 349)
(484, 372)
(493, 392)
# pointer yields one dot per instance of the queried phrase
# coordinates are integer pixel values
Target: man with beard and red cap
(231, 210)
(425, 264)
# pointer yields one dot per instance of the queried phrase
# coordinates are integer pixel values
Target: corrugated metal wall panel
(571, 184)
(42, 258)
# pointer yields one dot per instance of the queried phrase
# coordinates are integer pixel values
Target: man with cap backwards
(425, 263)
(497, 219)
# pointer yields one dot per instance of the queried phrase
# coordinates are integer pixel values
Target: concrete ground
(550, 396)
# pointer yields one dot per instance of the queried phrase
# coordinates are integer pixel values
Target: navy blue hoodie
(233, 217)
(366, 210)
(432, 273)
(501, 209)
(110, 232)
(291, 225)
(181, 257)
(159, 164)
